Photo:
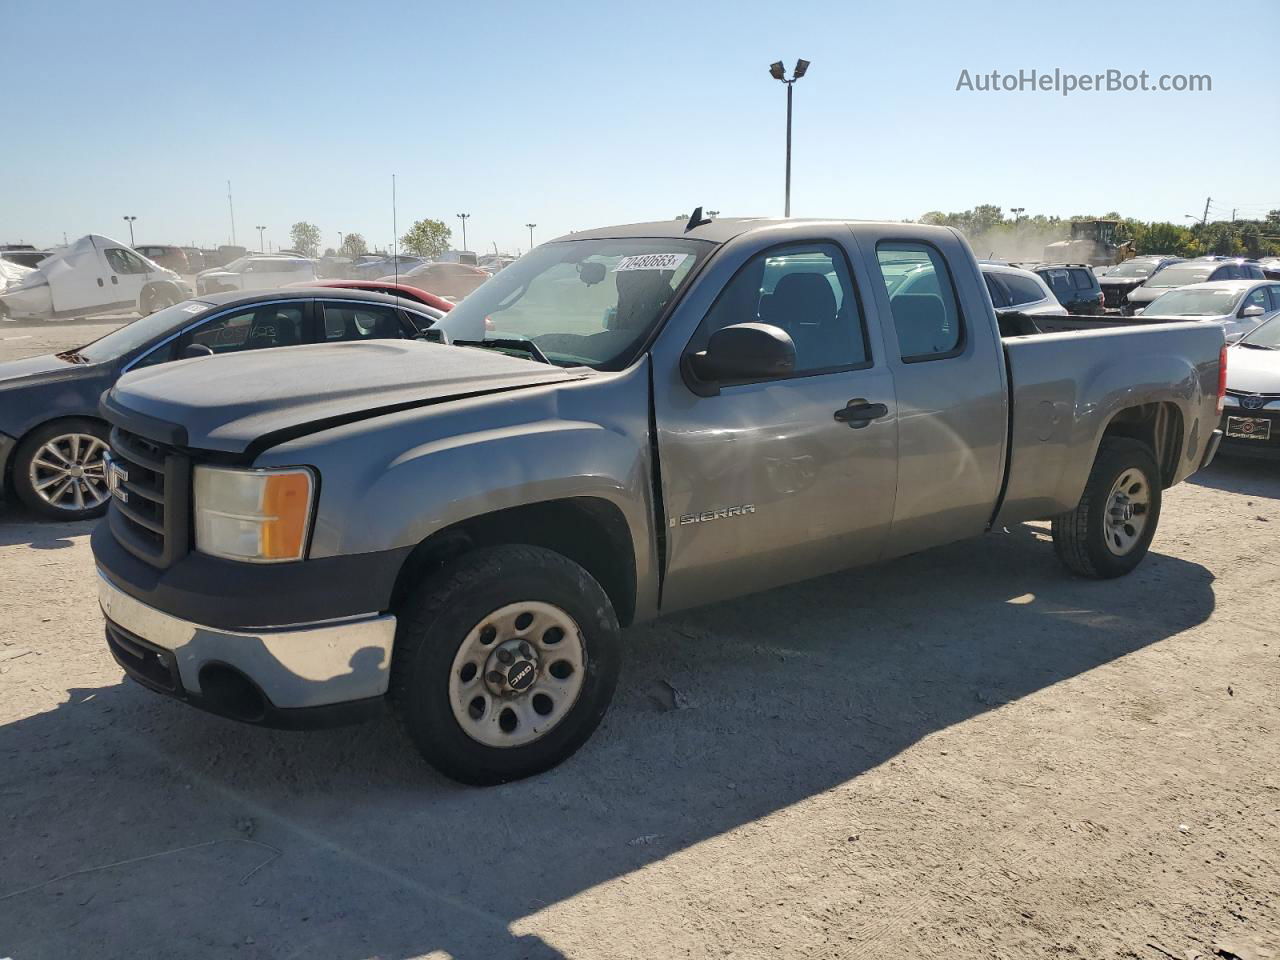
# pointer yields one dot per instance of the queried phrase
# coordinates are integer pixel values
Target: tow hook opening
(228, 691)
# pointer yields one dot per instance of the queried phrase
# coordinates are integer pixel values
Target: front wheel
(504, 664)
(1110, 530)
(59, 470)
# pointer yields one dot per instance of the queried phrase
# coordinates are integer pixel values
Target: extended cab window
(925, 313)
(805, 290)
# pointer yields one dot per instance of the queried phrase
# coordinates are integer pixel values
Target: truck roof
(721, 229)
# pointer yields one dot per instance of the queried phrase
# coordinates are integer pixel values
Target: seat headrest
(799, 298)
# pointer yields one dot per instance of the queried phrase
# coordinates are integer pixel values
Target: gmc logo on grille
(117, 476)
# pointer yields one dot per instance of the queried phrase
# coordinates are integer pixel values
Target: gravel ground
(965, 753)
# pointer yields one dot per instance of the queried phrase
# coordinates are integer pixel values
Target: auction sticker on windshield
(651, 261)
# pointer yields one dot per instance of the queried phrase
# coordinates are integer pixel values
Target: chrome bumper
(299, 666)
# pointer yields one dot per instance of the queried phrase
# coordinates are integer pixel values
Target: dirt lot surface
(966, 753)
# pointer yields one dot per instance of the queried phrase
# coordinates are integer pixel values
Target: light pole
(779, 72)
(1017, 214)
(530, 226)
(130, 222)
(464, 217)
(260, 229)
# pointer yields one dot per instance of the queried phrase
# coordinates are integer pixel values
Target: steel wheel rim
(486, 704)
(68, 472)
(1128, 507)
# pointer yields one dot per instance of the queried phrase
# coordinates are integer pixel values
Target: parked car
(1270, 267)
(195, 259)
(438, 304)
(1239, 305)
(1020, 290)
(1075, 286)
(1199, 270)
(11, 274)
(171, 258)
(1251, 420)
(453, 280)
(23, 254)
(663, 415)
(256, 272)
(335, 268)
(52, 436)
(373, 269)
(94, 275)
(1123, 278)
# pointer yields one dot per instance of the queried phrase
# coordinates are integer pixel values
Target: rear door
(762, 484)
(948, 374)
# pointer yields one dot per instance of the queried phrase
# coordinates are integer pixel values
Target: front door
(762, 484)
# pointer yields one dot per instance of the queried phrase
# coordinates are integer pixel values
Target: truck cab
(623, 423)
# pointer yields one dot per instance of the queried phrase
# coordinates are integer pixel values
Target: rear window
(926, 315)
(1022, 289)
(1083, 279)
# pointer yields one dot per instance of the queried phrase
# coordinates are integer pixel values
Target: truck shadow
(724, 716)
(19, 526)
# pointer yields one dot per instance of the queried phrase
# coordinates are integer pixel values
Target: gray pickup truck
(625, 422)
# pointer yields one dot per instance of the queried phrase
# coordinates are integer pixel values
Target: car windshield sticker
(651, 261)
(193, 308)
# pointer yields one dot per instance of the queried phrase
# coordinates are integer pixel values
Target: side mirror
(1253, 310)
(194, 350)
(1139, 311)
(744, 351)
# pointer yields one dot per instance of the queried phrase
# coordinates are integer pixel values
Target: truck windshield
(1194, 303)
(1181, 275)
(582, 302)
(131, 336)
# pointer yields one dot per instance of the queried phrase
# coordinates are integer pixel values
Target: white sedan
(1239, 305)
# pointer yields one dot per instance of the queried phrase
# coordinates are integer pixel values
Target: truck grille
(1115, 297)
(151, 487)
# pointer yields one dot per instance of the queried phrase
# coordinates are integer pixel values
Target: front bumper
(303, 675)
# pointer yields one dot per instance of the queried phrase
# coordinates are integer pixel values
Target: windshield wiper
(508, 343)
(1257, 346)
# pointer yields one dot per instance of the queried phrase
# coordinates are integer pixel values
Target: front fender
(395, 480)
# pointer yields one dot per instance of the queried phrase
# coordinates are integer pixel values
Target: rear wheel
(1110, 530)
(505, 663)
(59, 470)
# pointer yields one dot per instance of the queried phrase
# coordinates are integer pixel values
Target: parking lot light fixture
(530, 226)
(464, 217)
(779, 72)
(260, 229)
(130, 220)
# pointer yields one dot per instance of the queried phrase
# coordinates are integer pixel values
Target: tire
(1093, 540)
(154, 298)
(443, 664)
(50, 451)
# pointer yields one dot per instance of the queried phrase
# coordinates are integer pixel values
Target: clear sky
(577, 115)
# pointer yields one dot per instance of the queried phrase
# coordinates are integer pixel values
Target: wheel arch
(1159, 425)
(590, 531)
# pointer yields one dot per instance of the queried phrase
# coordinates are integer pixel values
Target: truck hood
(242, 403)
(1253, 371)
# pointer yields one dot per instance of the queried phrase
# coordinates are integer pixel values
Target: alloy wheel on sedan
(68, 472)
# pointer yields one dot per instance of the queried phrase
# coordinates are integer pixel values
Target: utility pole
(464, 217)
(231, 207)
(1233, 214)
(1205, 219)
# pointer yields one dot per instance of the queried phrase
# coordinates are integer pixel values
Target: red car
(382, 286)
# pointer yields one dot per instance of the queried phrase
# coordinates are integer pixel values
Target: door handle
(858, 413)
(100, 283)
(115, 280)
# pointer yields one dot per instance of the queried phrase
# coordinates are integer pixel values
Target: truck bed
(1067, 386)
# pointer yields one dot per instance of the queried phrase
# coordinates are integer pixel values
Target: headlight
(261, 516)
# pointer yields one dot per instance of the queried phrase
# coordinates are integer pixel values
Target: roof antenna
(395, 232)
(697, 220)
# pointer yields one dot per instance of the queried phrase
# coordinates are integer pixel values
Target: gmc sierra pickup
(625, 422)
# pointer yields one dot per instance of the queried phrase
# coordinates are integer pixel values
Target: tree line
(1232, 238)
(426, 238)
